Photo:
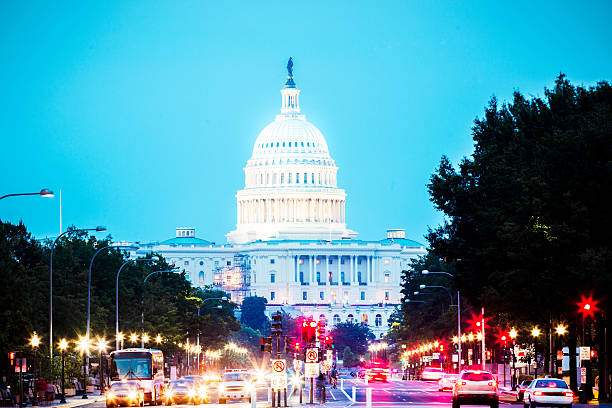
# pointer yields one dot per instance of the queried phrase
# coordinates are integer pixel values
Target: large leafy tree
(527, 226)
(352, 335)
(253, 313)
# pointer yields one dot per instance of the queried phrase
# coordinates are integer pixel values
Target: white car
(474, 387)
(235, 385)
(548, 391)
(432, 374)
(447, 382)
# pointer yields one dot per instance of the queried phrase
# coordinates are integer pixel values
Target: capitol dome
(290, 189)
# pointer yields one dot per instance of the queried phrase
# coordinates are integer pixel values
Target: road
(414, 394)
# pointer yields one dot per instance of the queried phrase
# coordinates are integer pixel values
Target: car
(377, 372)
(548, 392)
(521, 389)
(182, 391)
(476, 387)
(447, 382)
(235, 385)
(200, 385)
(125, 393)
(432, 374)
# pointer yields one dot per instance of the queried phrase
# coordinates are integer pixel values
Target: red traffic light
(313, 324)
(441, 347)
(593, 353)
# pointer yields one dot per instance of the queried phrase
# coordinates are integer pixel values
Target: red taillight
(490, 383)
(537, 393)
(568, 394)
(463, 383)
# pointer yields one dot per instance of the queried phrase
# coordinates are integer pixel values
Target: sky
(145, 113)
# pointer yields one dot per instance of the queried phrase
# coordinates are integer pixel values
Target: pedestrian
(334, 377)
(321, 387)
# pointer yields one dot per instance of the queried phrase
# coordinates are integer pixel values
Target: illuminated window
(364, 319)
(330, 276)
(318, 261)
(186, 262)
(201, 276)
(386, 295)
(304, 295)
(301, 261)
(378, 320)
(336, 319)
(272, 278)
(322, 295)
(362, 295)
(387, 278)
(349, 318)
(386, 262)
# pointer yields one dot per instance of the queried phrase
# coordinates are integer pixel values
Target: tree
(353, 335)
(349, 359)
(253, 313)
(526, 227)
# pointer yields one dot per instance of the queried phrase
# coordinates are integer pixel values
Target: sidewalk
(75, 401)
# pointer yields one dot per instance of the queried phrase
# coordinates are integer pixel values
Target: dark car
(127, 393)
(520, 393)
(182, 391)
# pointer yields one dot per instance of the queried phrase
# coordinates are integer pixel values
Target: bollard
(253, 398)
(271, 396)
(342, 384)
(354, 394)
(300, 394)
(365, 378)
(368, 398)
(285, 397)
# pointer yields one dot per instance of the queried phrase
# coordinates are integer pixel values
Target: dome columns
(291, 210)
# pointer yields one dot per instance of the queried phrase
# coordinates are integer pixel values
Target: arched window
(378, 320)
(201, 276)
(336, 319)
(349, 318)
(364, 319)
(322, 318)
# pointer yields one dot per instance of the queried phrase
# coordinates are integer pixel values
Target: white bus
(143, 365)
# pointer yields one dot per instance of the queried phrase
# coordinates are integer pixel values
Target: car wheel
(532, 404)
(221, 401)
(495, 403)
(456, 403)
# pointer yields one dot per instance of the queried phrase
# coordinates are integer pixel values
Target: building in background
(291, 244)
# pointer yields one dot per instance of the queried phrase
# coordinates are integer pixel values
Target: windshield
(180, 384)
(131, 368)
(551, 384)
(435, 369)
(236, 376)
(476, 376)
(123, 386)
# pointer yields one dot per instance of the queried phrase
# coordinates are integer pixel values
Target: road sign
(311, 370)
(312, 355)
(559, 355)
(585, 353)
(455, 358)
(279, 366)
(329, 355)
(297, 365)
(582, 375)
(326, 366)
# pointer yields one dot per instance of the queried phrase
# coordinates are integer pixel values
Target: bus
(143, 365)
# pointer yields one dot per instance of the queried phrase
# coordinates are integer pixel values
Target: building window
(341, 261)
(272, 278)
(301, 261)
(349, 318)
(304, 295)
(229, 263)
(378, 320)
(387, 277)
(342, 276)
(386, 262)
(272, 261)
(216, 263)
(362, 295)
(330, 277)
(283, 177)
(305, 178)
(201, 263)
(386, 295)
(331, 261)
(318, 261)
(312, 178)
(297, 178)
(364, 319)
(336, 319)
(359, 261)
(322, 295)
(272, 295)
(301, 277)
(359, 276)
(201, 276)
(289, 178)
(186, 262)
(318, 276)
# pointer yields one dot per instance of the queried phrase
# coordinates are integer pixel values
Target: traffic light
(308, 332)
(441, 348)
(277, 324)
(488, 355)
(320, 336)
(11, 357)
(266, 344)
(593, 353)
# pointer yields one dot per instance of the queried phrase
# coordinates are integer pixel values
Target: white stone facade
(291, 237)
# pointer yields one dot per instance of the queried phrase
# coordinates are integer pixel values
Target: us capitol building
(291, 244)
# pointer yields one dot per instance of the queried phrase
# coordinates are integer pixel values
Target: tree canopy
(352, 335)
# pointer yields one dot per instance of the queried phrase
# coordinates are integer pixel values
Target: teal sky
(144, 113)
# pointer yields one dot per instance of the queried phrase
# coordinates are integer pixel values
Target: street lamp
(83, 346)
(152, 259)
(221, 298)
(142, 300)
(89, 278)
(561, 330)
(535, 332)
(35, 343)
(158, 339)
(119, 339)
(63, 345)
(45, 192)
(133, 338)
(99, 228)
(101, 346)
(513, 333)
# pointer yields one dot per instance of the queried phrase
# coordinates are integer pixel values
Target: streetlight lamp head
(145, 338)
(100, 228)
(422, 286)
(535, 332)
(224, 298)
(587, 306)
(560, 330)
(133, 337)
(158, 339)
(416, 292)
(120, 336)
(35, 340)
(424, 271)
(513, 333)
(63, 344)
(45, 192)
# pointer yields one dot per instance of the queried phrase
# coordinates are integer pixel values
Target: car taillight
(490, 383)
(463, 383)
(568, 394)
(537, 393)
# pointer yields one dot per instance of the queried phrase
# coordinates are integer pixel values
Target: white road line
(333, 396)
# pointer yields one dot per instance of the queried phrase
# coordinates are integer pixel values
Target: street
(390, 394)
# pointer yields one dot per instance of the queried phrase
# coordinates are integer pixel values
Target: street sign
(326, 366)
(279, 375)
(455, 358)
(585, 353)
(20, 365)
(312, 355)
(559, 354)
(311, 370)
(297, 365)
(582, 375)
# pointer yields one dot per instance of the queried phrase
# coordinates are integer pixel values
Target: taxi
(548, 392)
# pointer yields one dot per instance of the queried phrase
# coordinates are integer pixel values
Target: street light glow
(120, 336)
(158, 339)
(35, 340)
(535, 332)
(145, 338)
(513, 334)
(133, 337)
(83, 344)
(101, 345)
(63, 344)
(560, 330)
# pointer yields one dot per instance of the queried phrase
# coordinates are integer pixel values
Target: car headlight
(132, 395)
(110, 395)
(221, 387)
(249, 388)
(191, 394)
(202, 392)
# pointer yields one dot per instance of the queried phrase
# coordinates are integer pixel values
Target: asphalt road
(395, 393)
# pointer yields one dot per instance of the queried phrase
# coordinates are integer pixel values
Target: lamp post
(221, 298)
(535, 332)
(426, 272)
(560, 330)
(153, 259)
(35, 343)
(101, 346)
(142, 300)
(63, 345)
(45, 192)
(99, 228)
(83, 346)
(512, 333)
